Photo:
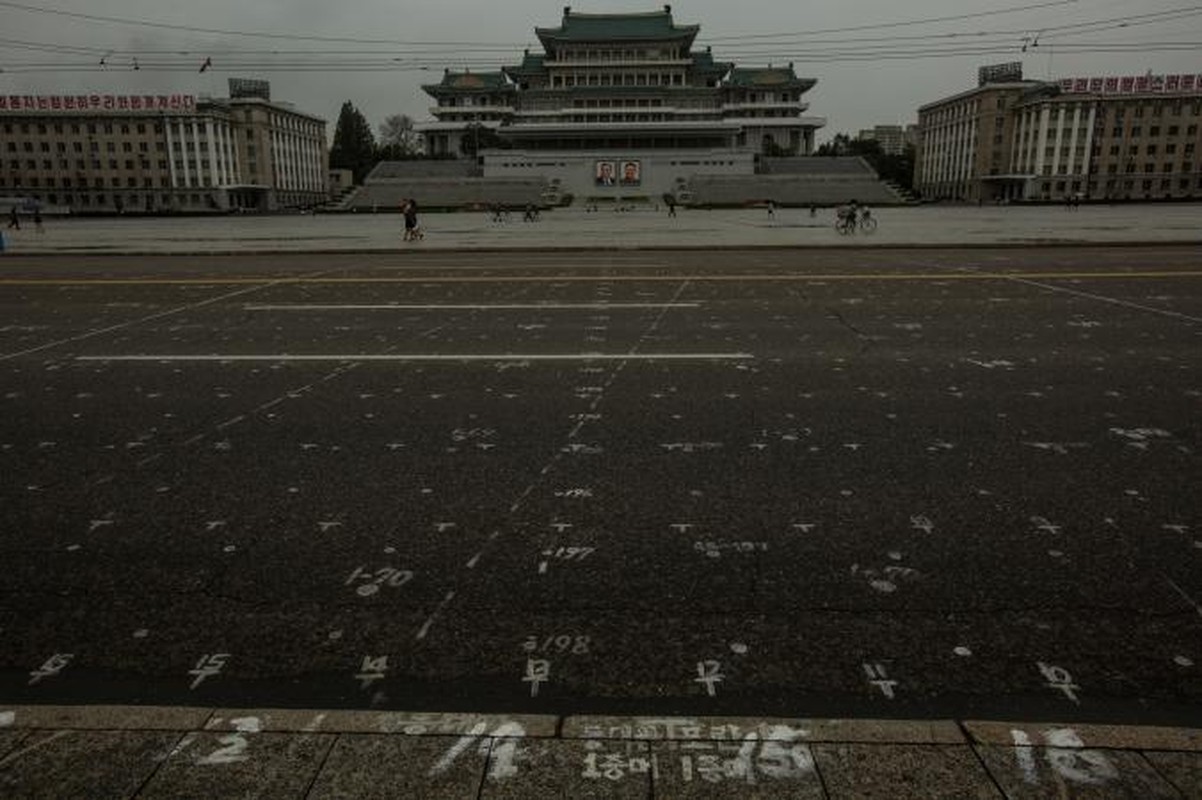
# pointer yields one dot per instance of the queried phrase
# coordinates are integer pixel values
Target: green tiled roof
(704, 62)
(655, 25)
(768, 78)
(531, 64)
(471, 82)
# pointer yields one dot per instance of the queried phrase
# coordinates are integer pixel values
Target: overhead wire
(425, 57)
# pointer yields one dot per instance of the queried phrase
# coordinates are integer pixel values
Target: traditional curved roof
(470, 82)
(768, 78)
(531, 65)
(649, 26)
(704, 63)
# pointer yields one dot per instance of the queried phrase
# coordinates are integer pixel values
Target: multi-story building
(893, 139)
(1134, 138)
(618, 89)
(154, 153)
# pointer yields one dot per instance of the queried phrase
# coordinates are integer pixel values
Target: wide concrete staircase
(450, 185)
(797, 182)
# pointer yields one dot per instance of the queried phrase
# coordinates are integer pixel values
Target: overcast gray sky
(882, 85)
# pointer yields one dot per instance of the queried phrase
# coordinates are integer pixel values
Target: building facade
(613, 87)
(893, 139)
(1134, 138)
(161, 153)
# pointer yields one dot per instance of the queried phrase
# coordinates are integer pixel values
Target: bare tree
(398, 139)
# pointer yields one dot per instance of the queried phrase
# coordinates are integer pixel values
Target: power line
(908, 23)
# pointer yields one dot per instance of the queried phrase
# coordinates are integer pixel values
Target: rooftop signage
(1132, 84)
(60, 103)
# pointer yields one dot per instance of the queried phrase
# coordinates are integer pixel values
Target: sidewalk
(149, 752)
(574, 229)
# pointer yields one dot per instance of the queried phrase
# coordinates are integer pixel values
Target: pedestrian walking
(671, 201)
(14, 221)
(413, 230)
(37, 221)
(771, 210)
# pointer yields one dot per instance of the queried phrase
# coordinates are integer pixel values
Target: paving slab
(1034, 772)
(525, 768)
(566, 229)
(1106, 736)
(376, 766)
(9, 740)
(110, 764)
(240, 764)
(1183, 770)
(109, 718)
(414, 724)
(902, 772)
(721, 728)
(750, 768)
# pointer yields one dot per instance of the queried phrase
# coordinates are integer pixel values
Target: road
(913, 484)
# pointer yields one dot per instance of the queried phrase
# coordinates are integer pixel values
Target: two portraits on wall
(618, 173)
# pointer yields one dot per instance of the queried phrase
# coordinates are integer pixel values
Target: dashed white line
(400, 357)
(467, 307)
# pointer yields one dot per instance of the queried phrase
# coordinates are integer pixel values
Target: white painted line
(433, 357)
(469, 307)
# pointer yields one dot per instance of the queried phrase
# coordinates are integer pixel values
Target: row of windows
(128, 200)
(609, 54)
(1146, 185)
(1137, 131)
(624, 79)
(76, 127)
(78, 147)
(100, 183)
(96, 163)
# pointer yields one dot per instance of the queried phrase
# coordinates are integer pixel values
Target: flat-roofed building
(158, 153)
(1101, 138)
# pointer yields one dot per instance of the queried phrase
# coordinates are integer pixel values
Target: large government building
(92, 153)
(1092, 138)
(620, 103)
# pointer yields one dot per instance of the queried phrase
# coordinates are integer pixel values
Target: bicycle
(845, 225)
(868, 223)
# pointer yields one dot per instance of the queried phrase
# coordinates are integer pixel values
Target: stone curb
(621, 728)
(910, 246)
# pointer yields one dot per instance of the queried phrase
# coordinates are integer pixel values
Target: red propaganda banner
(1081, 85)
(98, 102)
(1188, 82)
(1096, 85)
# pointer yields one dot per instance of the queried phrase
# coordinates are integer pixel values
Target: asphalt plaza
(916, 484)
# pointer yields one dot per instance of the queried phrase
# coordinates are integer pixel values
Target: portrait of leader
(604, 173)
(632, 173)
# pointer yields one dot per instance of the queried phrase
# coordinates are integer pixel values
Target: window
(1154, 130)
(1174, 130)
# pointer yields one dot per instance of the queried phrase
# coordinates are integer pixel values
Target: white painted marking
(1182, 592)
(463, 743)
(7, 718)
(1025, 754)
(963, 652)
(425, 629)
(1183, 661)
(395, 357)
(468, 307)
